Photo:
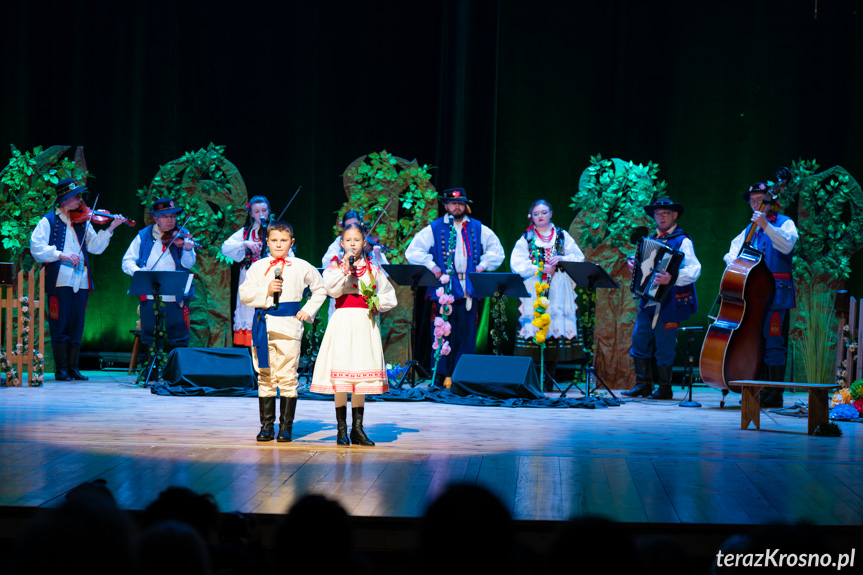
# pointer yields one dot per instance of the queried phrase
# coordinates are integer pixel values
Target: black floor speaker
(496, 376)
(214, 367)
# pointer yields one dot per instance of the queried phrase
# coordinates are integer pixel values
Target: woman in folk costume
(351, 358)
(535, 258)
(246, 246)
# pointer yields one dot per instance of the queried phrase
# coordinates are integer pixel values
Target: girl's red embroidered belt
(351, 300)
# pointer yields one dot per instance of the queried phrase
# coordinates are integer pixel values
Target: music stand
(593, 276)
(158, 284)
(487, 284)
(689, 367)
(414, 276)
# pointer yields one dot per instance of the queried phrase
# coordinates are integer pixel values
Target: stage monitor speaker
(213, 367)
(497, 376)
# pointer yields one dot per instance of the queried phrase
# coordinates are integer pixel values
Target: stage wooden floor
(643, 462)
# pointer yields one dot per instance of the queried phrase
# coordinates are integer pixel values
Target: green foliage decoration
(372, 181)
(203, 184)
(27, 193)
(611, 197)
(830, 221)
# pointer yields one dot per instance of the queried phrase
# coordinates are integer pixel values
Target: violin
(373, 241)
(86, 214)
(178, 237)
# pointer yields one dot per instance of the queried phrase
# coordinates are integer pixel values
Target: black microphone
(351, 259)
(278, 272)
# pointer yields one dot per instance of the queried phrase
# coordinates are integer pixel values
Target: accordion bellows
(652, 257)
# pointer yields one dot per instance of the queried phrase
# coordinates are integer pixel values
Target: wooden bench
(750, 410)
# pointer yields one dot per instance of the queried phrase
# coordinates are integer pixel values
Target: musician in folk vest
(660, 320)
(143, 254)
(775, 237)
(57, 243)
(477, 249)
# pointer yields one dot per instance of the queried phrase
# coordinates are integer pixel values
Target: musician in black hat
(476, 249)
(57, 243)
(775, 237)
(146, 253)
(660, 321)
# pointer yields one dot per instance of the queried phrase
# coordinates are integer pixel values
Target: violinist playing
(775, 237)
(59, 243)
(144, 253)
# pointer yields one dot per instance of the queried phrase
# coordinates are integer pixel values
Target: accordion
(652, 257)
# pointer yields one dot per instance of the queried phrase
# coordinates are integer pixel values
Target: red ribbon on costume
(283, 261)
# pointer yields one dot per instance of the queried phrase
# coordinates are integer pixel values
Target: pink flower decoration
(438, 332)
(445, 349)
(444, 279)
(858, 405)
(447, 328)
(438, 321)
(439, 292)
(446, 309)
(434, 345)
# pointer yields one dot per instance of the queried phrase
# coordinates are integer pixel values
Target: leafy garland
(160, 357)
(38, 374)
(541, 318)
(442, 327)
(380, 177)
(498, 314)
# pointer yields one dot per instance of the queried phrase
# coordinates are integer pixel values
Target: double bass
(733, 348)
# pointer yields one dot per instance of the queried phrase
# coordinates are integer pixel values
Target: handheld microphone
(278, 272)
(351, 259)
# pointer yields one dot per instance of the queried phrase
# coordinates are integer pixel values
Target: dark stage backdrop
(508, 99)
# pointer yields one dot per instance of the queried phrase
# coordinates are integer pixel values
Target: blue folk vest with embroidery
(471, 236)
(778, 263)
(57, 239)
(147, 241)
(681, 301)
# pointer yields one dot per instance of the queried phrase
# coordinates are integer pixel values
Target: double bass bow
(733, 347)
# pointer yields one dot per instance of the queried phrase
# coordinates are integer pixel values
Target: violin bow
(289, 203)
(177, 233)
(89, 219)
(380, 215)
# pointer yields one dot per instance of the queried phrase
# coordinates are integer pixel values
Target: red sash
(351, 300)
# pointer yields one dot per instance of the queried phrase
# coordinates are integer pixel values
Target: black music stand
(496, 285)
(593, 276)
(689, 365)
(414, 276)
(158, 284)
